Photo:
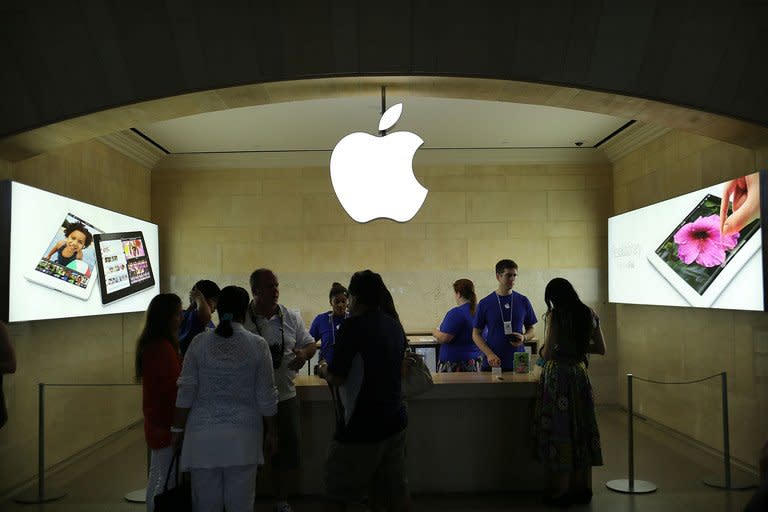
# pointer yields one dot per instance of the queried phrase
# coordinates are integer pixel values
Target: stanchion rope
(679, 382)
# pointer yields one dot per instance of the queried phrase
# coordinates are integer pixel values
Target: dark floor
(99, 482)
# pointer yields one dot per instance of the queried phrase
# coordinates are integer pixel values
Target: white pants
(159, 462)
(232, 487)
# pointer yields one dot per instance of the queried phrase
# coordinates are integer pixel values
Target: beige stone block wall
(79, 350)
(672, 344)
(551, 219)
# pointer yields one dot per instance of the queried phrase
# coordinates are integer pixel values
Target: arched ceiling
(63, 60)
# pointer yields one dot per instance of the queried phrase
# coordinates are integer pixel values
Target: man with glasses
(504, 320)
(291, 346)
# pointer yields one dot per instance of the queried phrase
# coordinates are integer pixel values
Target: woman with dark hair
(567, 437)
(157, 367)
(366, 458)
(325, 325)
(458, 353)
(226, 392)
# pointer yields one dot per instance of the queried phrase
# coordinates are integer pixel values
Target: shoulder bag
(417, 378)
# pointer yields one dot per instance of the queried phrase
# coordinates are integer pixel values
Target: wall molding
(293, 159)
(134, 147)
(632, 138)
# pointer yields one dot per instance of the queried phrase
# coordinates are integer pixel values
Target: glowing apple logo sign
(373, 177)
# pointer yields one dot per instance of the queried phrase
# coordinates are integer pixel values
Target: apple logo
(373, 176)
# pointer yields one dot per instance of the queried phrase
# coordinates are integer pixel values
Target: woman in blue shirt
(325, 326)
(458, 353)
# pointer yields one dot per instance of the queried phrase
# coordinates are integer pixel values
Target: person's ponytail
(224, 329)
(232, 306)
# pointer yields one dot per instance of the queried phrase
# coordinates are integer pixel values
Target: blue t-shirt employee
(325, 326)
(197, 317)
(507, 317)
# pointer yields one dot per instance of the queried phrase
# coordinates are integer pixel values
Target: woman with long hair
(458, 353)
(226, 392)
(157, 367)
(367, 454)
(567, 437)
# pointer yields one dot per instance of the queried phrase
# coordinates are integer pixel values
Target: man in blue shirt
(197, 317)
(507, 318)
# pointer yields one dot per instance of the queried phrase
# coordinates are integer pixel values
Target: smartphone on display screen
(697, 261)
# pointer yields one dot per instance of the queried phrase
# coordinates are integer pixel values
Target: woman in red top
(158, 366)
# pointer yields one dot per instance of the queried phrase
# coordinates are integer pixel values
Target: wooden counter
(470, 432)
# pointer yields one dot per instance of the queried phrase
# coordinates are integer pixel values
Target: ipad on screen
(68, 263)
(124, 267)
(696, 260)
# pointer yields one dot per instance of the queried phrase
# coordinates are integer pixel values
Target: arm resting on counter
(477, 337)
(333, 380)
(442, 337)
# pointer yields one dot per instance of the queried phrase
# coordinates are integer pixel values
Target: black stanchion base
(137, 496)
(32, 497)
(638, 486)
(738, 483)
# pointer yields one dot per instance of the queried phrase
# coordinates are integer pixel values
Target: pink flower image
(701, 241)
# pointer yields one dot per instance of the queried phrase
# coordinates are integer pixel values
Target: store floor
(100, 480)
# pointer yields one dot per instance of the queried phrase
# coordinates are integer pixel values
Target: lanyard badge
(507, 324)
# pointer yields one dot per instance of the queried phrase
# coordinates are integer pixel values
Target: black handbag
(179, 498)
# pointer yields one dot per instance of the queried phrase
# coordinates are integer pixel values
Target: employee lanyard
(282, 323)
(511, 305)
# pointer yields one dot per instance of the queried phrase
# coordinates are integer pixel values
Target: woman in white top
(226, 391)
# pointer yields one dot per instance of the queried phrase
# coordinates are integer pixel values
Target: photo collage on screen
(125, 263)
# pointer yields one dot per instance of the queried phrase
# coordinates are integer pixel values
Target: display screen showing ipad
(69, 262)
(124, 266)
(696, 251)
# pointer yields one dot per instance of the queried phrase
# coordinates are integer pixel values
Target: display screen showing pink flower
(700, 241)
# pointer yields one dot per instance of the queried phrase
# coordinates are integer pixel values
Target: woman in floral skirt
(565, 427)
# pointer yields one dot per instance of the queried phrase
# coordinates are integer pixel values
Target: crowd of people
(223, 400)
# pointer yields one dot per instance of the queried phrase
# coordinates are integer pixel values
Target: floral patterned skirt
(564, 426)
(469, 365)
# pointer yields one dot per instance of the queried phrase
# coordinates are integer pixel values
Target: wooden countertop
(447, 386)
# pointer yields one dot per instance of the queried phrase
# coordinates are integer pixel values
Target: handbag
(179, 498)
(417, 378)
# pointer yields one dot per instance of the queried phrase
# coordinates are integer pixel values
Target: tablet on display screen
(124, 267)
(697, 259)
(68, 263)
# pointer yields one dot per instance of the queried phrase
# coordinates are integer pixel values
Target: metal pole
(40, 441)
(726, 434)
(630, 425)
(40, 496)
(630, 486)
(383, 106)
(741, 483)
